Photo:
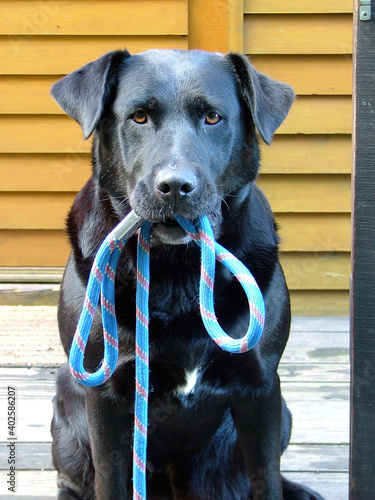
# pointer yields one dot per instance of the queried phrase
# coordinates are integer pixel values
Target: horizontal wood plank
(299, 232)
(30, 274)
(327, 404)
(32, 339)
(311, 354)
(331, 485)
(304, 326)
(315, 348)
(319, 115)
(29, 315)
(287, 194)
(308, 115)
(33, 248)
(330, 400)
(69, 171)
(310, 154)
(334, 486)
(34, 210)
(44, 172)
(52, 134)
(314, 232)
(298, 7)
(60, 134)
(20, 94)
(309, 74)
(298, 34)
(303, 270)
(31, 485)
(314, 372)
(316, 270)
(50, 55)
(22, 346)
(126, 17)
(321, 75)
(320, 303)
(307, 193)
(36, 294)
(34, 456)
(333, 458)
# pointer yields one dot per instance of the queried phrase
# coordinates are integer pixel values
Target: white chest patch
(191, 380)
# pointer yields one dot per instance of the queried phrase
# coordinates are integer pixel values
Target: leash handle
(128, 226)
(101, 284)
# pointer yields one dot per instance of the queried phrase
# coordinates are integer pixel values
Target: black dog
(175, 132)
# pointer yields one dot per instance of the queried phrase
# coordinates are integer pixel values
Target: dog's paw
(295, 491)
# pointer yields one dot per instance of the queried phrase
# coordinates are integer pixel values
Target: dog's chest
(191, 377)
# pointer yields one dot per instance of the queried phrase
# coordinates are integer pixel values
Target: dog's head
(175, 131)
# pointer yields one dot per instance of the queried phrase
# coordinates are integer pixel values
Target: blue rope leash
(101, 285)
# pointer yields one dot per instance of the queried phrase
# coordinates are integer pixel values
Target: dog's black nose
(173, 185)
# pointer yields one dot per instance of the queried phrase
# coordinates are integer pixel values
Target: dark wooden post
(362, 451)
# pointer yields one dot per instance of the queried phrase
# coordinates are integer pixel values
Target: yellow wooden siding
(318, 270)
(33, 210)
(309, 74)
(298, 34)
(95, 17)
(286, 195)
(68, 171)
(313, 233)
(298, 6)
(319, 302)
(308, 193)
(53, 55)
(299, 232)
(308, 154)
(33, 248)
(44, 172)
(306, 172)
(43, 158)
(58, 133)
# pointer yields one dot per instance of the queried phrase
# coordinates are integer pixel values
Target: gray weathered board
(315, 383)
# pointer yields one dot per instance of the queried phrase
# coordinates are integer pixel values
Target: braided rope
(141, 363)
(101, 284)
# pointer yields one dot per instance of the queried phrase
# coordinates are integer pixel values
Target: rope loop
(203, 235)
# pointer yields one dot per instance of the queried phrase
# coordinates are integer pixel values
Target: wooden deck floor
(315, 383)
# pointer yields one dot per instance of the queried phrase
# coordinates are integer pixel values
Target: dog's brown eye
(139, 117)
(213, 118)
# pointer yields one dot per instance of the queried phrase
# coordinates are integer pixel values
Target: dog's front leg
(258, 424)
(110, 428)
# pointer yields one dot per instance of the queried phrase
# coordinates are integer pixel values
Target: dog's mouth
(169, 231)
(170, 223)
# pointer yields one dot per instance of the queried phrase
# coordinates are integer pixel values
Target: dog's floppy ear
(83, 93)
(268, 100)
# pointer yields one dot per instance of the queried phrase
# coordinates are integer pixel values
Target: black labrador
(176, 132)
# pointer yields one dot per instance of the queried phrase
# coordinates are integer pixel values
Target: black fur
(175, 132)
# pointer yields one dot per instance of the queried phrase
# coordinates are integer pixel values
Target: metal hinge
(365, 10)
